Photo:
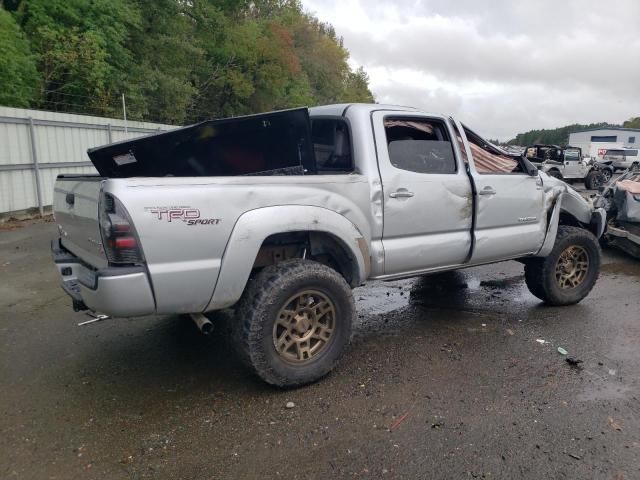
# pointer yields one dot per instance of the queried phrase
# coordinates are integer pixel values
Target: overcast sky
(501, 66)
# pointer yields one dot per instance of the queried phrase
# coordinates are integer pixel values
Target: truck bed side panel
(184, 224)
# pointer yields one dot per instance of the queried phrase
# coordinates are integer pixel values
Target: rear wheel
(606, 175)
(635, 166)
(293, 322)
(569, 272)
(594, 180)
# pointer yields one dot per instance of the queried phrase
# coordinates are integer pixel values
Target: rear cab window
(331, 142)
(420, 145)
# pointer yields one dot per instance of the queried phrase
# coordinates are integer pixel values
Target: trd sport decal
(188, 215)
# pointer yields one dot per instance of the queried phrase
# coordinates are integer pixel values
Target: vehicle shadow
(168, 357)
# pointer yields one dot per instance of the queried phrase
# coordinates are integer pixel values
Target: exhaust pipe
(202, 322)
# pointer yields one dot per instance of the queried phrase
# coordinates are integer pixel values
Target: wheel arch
(571, 211)
(322, 231)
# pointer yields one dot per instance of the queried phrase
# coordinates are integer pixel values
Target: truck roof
(339, 109)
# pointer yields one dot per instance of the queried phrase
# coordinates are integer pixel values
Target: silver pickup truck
(280, 215)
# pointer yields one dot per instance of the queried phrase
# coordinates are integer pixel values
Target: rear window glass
(331, 144)
(419, 145)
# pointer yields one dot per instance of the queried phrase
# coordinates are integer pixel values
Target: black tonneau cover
(268, 143)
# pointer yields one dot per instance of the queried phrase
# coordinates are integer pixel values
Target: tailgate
(75, 205)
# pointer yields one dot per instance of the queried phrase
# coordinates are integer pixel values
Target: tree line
(176, 61)
(560, 136)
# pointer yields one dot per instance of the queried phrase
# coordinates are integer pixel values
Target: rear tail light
(119, 237)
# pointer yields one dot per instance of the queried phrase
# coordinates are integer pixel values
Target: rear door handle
(488, 191)
(401, 193)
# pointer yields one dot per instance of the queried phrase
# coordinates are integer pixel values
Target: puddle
(457, 290)
(383, 297)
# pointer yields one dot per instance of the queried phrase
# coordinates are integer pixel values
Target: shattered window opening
(488, 159)
(421, 146)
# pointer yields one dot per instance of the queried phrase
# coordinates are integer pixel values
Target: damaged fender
(565, 199)
(255, 226)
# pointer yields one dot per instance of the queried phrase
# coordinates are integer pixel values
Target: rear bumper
(114, 291)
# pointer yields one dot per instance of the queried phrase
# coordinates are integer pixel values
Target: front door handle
(488, 191)
(401, 193)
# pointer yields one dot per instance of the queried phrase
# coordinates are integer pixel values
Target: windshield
(572, 155)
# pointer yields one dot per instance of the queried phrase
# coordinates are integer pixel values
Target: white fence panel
(29, 166)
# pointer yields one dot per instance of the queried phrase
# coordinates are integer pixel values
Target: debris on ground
(399, 420)
(290, 405)
(615, 424)
(562, 351)
(510, 332)
(541, 341)
(437, 425)
(573, 455)
(573, 361)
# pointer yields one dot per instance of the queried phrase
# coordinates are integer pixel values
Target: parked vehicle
(280, 215)
(567, 163)
(621, 200)
(623, 158)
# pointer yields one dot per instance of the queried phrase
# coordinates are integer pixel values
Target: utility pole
(124, 112)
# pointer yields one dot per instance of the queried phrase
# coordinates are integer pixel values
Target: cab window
(419, 145)
(490, 160)
(331, 145)
(571, 155)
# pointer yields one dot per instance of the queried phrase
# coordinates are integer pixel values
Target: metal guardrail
(36, 166)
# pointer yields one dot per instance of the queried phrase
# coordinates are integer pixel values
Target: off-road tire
(635, 166)
(555, 174)
(257, 311)
(594, 180)
(540, 273)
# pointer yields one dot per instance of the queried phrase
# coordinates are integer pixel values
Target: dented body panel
(200, 237)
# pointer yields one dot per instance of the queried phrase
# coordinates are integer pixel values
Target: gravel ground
(455, 376)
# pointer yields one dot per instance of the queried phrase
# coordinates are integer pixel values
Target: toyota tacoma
(280, 215)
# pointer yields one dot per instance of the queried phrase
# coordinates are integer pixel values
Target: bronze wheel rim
(572, 267)
(304, 326)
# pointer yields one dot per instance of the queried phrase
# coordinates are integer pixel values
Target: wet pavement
(453, 376)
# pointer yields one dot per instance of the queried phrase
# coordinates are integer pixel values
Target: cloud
(502, 66)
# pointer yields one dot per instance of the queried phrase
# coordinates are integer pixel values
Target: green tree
(19, 78)
(633, 122)
(81, 51)
(161, 80)
(555, 136)
(176, 61)
(356, 87)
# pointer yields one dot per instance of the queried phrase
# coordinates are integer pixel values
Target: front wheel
(569, 272)
(293, 322)
(594, 180)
